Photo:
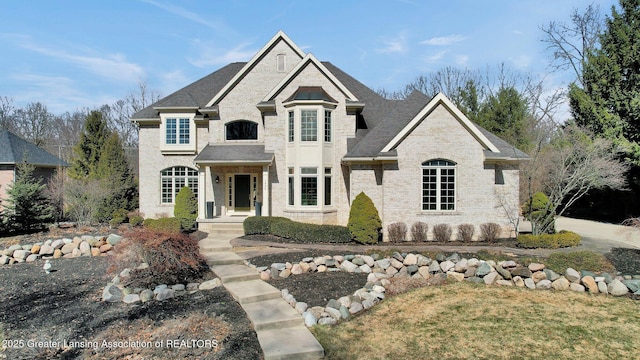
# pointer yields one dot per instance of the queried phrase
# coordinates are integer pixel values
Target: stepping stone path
(280, 328)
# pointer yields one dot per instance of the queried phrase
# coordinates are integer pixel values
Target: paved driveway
(597, 236)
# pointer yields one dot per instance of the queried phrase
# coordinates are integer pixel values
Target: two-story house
(300, 138)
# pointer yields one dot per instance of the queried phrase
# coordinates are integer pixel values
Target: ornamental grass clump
(419, 231)
(364, 221)
(172, 258)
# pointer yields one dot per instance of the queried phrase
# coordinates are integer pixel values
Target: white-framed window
(438, 185)
(178, 133)
(175, 178)
(291, 189)
(241, 130)
(309, 186)
(281, 62)
(292, 124)
(327, 186)
(327, 126)
(308, 125)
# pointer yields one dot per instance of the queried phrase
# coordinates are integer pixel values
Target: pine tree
(87, 152)
(28, 207)
(609, 103)
(113, 170)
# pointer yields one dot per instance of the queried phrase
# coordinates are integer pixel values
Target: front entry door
(242, 193)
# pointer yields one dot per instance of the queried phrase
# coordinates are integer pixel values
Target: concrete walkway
(280, 329)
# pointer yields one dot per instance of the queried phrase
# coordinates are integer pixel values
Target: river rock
(131, 299)
(518, 281)
(327, 321)
(355, 307)
(633, 285)
(491, 278)
(521, 271)
(210, 284)
(560, 284)
(529, 283)
(85, 248)
(447, 265)
(112, 293)
(32, 257)
(106, 247)
(539, 276)
(461, 266)
(434, 267)
(411, 259)
(536, 267)
(57, 254)
(35, 249)
(483, 269)
(383, 263)
(617, 288)
(572, 275)
(576, 287)
(68, 248)
(57, 244)
(348, 266)
(503, 272)
(309, 319)
(424, 272)
(301, 307)
(165, 294)
(455, 276)
(396, 264)
(20, 255)
(368, 260)
(590, 284)
(543, 284)
(146, 295)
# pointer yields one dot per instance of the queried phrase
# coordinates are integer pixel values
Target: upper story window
(178, 133)
(327, 126)
(438, 185)
(292, 125)
(308, 125)
(281, 63)
(241, 130)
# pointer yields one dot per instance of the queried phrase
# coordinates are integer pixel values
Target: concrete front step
(272, 314)
(290, 343)
(246, 292)
(221, 258)
(235, 272)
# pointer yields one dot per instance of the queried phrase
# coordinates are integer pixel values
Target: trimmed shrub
(171, 225)
(489, 232)
(419, 231)
(260, 225)
(186, 208)
(364, 221)
(173, 258)
(465, 232)
(136, 220)
(549, 241)
(442, 232)
(397, 232)
(296, 231)
(119, 216)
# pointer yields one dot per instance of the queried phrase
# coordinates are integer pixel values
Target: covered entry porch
(233, 181)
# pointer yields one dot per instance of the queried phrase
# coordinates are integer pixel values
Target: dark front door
(242, 196)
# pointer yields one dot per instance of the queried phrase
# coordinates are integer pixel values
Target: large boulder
(112, 293)
(617, 288)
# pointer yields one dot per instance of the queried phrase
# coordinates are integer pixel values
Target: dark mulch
(626, 261)
(66, 305)
(315, 289)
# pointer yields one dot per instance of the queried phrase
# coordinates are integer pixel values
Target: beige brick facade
(395, 186)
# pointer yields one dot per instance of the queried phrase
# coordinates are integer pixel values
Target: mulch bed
(66, 305)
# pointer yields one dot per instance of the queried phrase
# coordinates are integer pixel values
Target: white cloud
(189, 15)
(521, 61)
(443, 40)
(462, 60)
(173, 80)
(396, 45)
(436, 57)
(210, 55)
(114, 67)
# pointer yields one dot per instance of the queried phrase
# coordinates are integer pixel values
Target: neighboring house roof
(234, 154)
(15, 150)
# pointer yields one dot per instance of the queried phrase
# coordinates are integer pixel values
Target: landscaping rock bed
(453, 268)
(85, 245)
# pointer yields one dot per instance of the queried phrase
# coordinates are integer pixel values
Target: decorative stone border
(85, 245)
(116, 292)
(452, 268)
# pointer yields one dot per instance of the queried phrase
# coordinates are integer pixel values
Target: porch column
(266, 200)
(202, 188)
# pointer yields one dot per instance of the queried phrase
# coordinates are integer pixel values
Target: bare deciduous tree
(7, 114)
(571, 42)
(573, 164)
(34, 123)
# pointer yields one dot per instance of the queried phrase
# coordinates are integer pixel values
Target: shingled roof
(14, 150)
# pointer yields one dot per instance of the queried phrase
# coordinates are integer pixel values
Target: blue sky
(73, 54)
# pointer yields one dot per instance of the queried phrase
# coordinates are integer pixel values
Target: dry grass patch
(463, 321)
(192, 327)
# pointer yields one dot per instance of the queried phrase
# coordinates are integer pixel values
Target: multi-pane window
(327, 126)
(177, 131)
(308, 125)
(292, 122)
(327, 186)
(309, 186)
(438, 185)
(291, 190)
(175, 178)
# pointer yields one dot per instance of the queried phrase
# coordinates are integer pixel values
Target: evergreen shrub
(186, 208)
(296, 231)
(163, 224)
(549, 241)
(364, 221)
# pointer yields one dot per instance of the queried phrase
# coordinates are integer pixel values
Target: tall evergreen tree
(87, 152)
(505, 114)
(112, 168)
(609, 103)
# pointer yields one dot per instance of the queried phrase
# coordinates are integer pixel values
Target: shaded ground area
(626, 261)
(66, 306)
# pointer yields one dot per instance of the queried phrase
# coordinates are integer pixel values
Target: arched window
(241, 130)
(439, 185)
(175, 178)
